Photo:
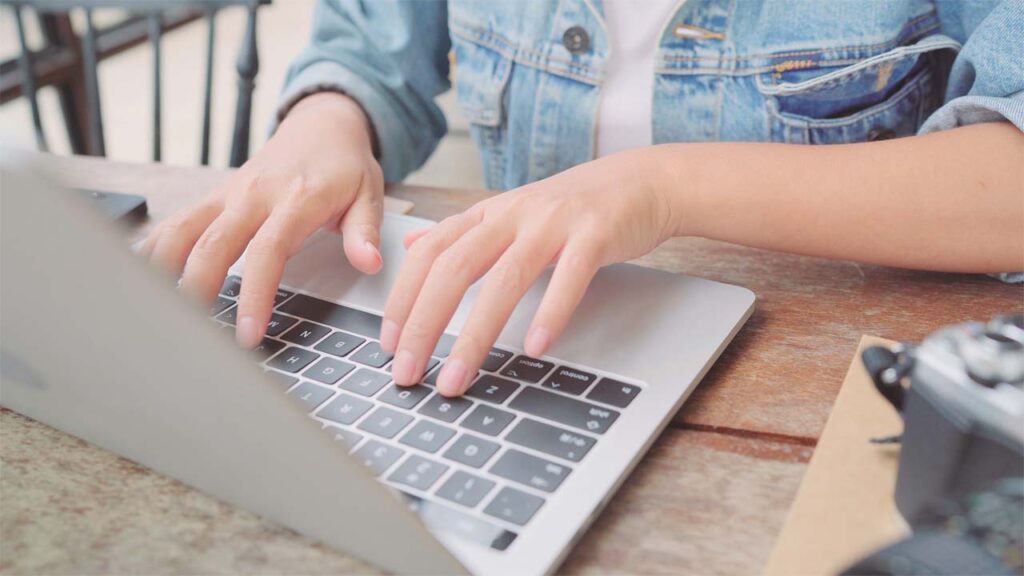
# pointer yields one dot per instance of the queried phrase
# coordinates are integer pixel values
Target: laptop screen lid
(98, 346)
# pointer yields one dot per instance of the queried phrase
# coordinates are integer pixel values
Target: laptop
(308, 430)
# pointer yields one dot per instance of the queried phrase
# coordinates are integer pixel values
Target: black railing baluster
(155, 33)
(28, 79)
(92, 89)
(248, 65)
(211, 31)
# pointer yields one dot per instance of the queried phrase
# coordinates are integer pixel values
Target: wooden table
(709, 498)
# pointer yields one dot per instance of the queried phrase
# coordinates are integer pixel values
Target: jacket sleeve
(986, 82)
(390, 56)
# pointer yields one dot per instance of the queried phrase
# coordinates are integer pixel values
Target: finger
(510, 278)
(360, 228)
(146, 249)
(575, 269)
(179, 234)
(453, 272)
(218, 248)
(410, 238)
(414, 272)
(280, 236)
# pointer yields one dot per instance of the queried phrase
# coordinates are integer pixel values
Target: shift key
(564, 410)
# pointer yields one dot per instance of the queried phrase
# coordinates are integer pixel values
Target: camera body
(963, 411)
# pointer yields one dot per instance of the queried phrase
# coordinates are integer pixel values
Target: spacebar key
(444, 519)
(331, 314)
(568, 411)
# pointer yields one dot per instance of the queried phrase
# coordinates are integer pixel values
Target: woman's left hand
(592, 215)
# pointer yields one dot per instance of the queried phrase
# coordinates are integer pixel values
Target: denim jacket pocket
(481, 76)
(885, 96)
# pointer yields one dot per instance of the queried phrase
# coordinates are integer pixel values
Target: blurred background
(125, 81)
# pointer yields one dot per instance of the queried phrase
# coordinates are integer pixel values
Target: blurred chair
(86, 51)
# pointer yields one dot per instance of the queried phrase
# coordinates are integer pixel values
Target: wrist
(674, 175)
(336, 110)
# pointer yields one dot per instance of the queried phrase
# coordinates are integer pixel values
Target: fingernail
(247, 332)
(537, 341)
(373, 250)
(404, 368)
(389, 334)
(452, 379)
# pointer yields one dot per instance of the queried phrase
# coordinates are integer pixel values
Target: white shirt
(624, 111)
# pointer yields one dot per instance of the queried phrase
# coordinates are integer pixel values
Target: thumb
(360, 228)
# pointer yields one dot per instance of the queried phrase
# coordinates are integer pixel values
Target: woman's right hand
(318, 170)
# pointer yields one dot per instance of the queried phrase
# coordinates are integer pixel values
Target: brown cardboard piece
(844, 508)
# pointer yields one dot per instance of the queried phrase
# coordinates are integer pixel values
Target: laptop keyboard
(481, 465)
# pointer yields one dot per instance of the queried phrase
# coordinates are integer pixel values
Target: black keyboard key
(427, 436)
(406, 397)
(282, 295)
(365, 382)
(431, 379)
(220, 304)
(471, 451)
(344, 409)
(444, 346)
(614, 392)
(441, 518)
(229, 316)
(551, 440)
(569, 380)
(431, 364)
(310, 395)
(492, 388)
(465, 488)
(418, 472)
(328, 370)
(232, 287)
(514, 506)
(334, 315)
(378, 457)
(564, 410)
(527, 369)
(371, 355)
(306, 334)
(268, 347)
(496, 358)
(385, 422)
(278, 324)
(283, 380)
(447, 409)
(488, 420)
(530, 470)
(349, 437)
(292, 359)
(340, 344)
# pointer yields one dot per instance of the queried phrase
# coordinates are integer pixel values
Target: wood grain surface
(709, 498)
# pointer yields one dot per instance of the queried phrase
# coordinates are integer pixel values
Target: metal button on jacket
(576, 40)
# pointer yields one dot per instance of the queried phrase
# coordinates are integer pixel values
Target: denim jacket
(528, 73)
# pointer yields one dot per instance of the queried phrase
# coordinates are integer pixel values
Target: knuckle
(577, 260)
(415, 332)
(507, 276)
(210, 243)
(472, 344)
(454, 262)
(429, 246)
(268, 245)
(365, 230)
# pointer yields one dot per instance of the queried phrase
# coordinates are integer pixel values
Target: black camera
(960, 482)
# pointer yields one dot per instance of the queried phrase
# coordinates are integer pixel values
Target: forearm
(950, 201)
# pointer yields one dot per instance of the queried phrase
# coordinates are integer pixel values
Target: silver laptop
(309, 431)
